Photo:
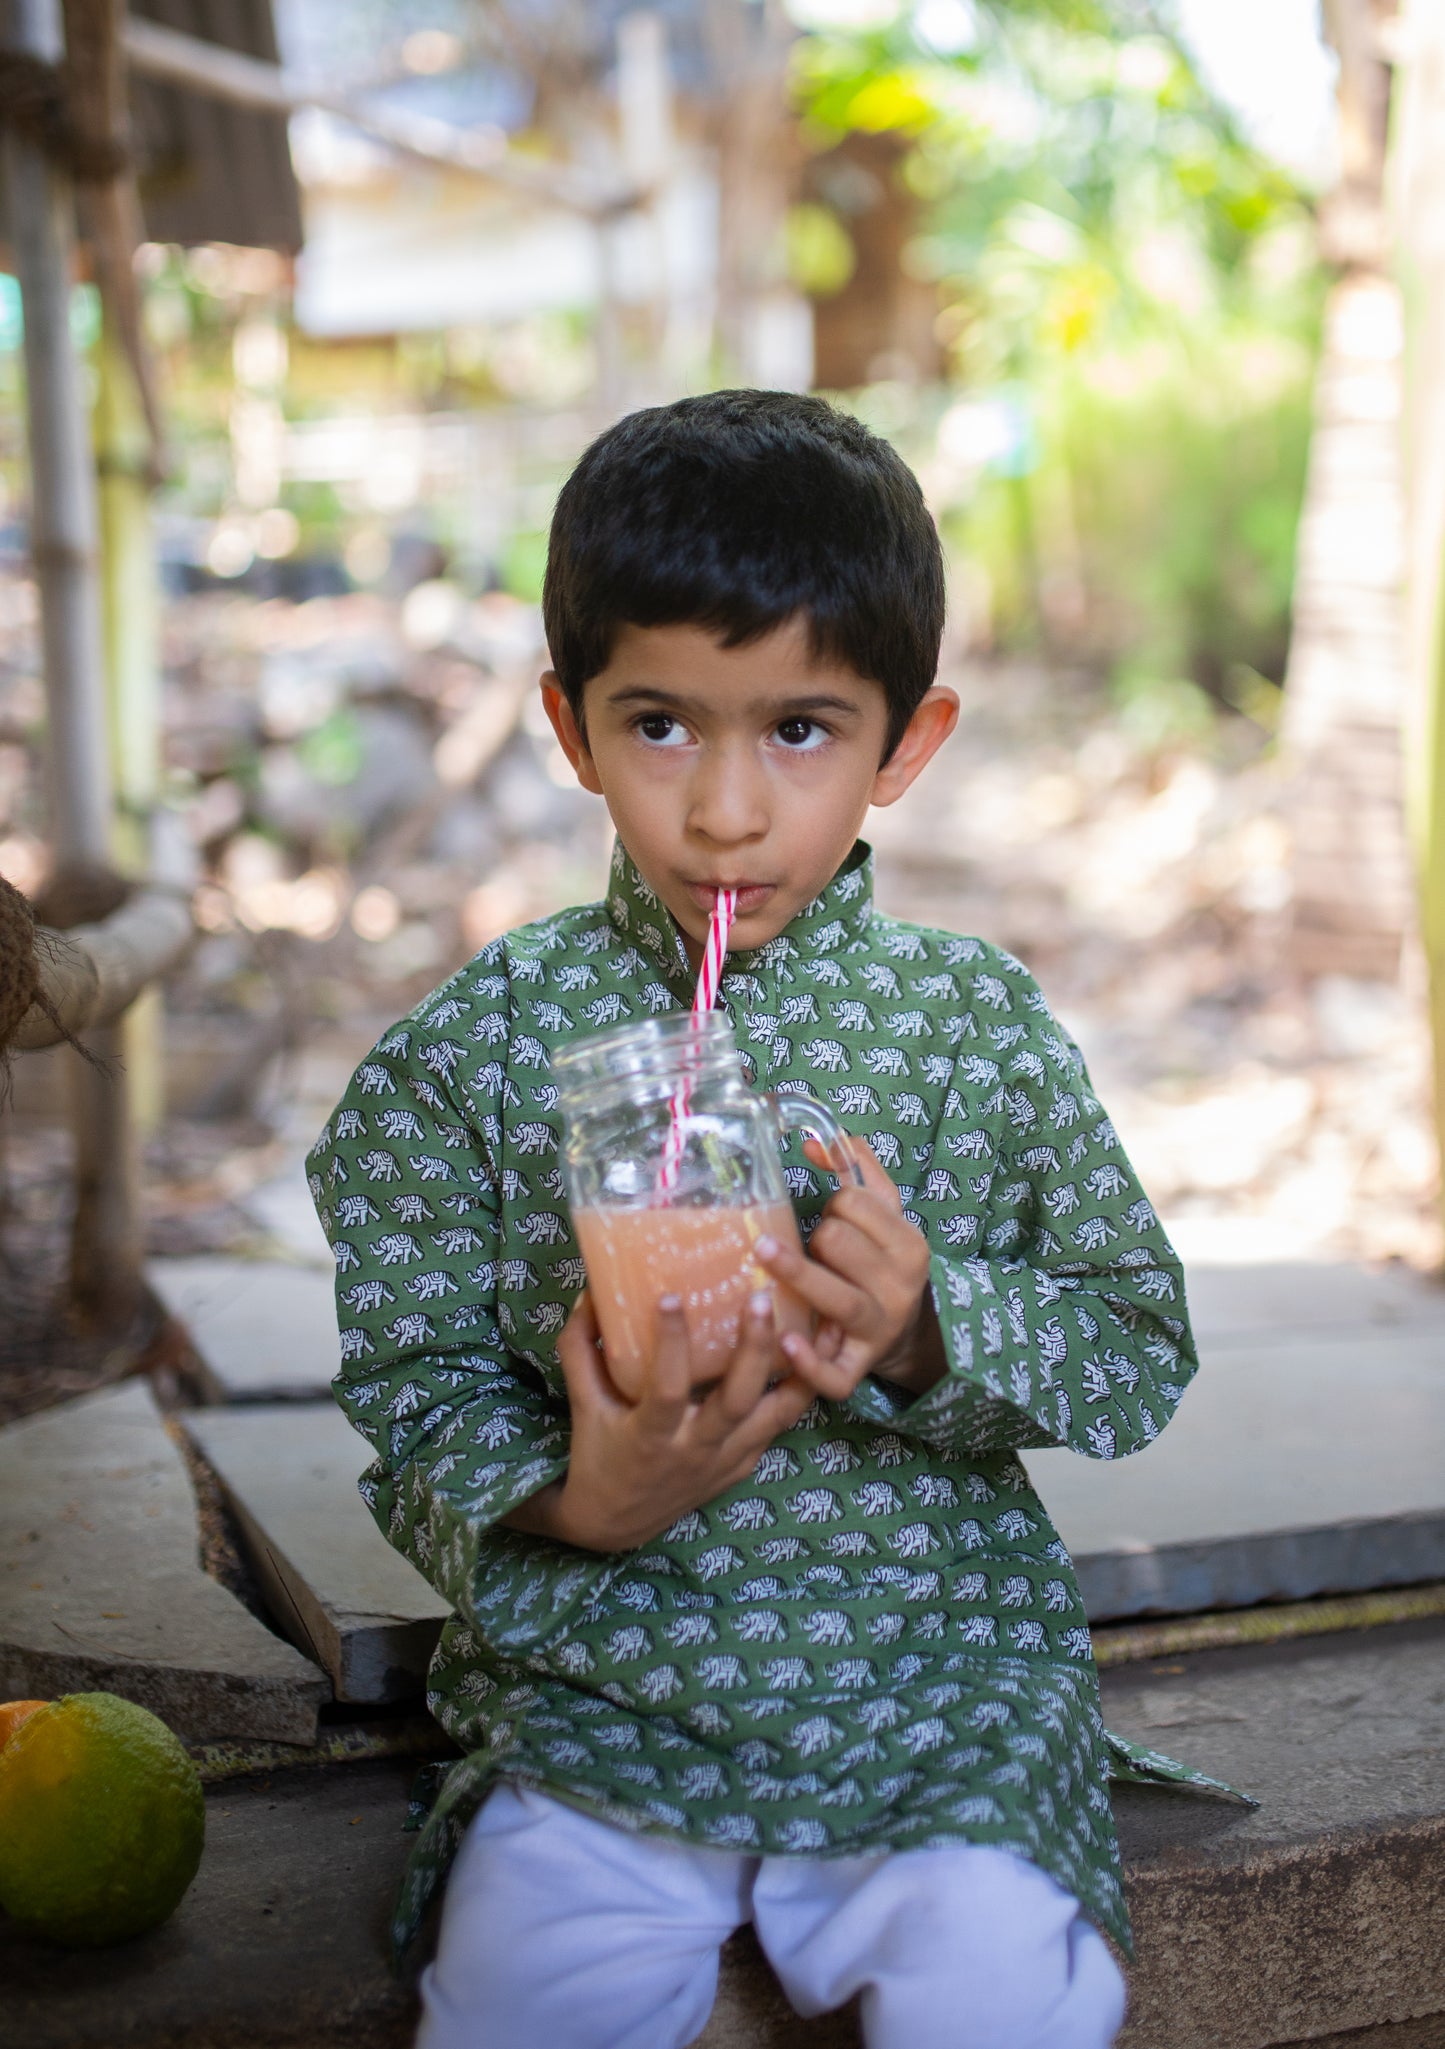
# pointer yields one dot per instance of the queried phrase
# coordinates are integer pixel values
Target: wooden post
(130, 615)
(91, 974)
(105, 1239)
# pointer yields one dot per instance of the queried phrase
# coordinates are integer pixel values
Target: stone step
(1319, 1917)
(1291, 1468)
(101, 1586)
(1322, 1910)
(335, 1586)
(279, 1944)
(1236, 1303)
(1309, 1456)
(264, 1331)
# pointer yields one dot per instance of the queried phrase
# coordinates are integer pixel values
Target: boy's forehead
(692, 660)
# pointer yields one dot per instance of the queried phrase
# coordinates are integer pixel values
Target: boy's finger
(872, 1214)
(579, 1351)
(780, 1408)
(821, 1289)
(668, 1382)
(753, 1364)
(876, 1178)
(582, 1323)
(852, 1254)
(835, 1378)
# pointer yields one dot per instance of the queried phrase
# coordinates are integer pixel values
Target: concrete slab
(101, 1585)
(336, 1586)
(1332, 1302)
(283, 1207)
(264, 1331)
(1290, 1469)
(1308, 1458)
(1317, 1916)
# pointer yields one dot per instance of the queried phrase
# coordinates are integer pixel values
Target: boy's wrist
(552, 1512)
(573, 1524)
(558, 1513)
(918, 1361)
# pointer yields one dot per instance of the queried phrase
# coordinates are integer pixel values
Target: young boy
(804, 1650)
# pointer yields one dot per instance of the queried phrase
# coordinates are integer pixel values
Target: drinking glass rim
(709, 1033)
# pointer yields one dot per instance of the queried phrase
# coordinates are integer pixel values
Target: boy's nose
(728, 804)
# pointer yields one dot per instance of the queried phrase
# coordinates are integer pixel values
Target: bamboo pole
(92, 974)
(130, 614)
(105, 1234)
(63, 527)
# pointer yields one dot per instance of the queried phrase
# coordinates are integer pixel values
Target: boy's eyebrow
(804, 702)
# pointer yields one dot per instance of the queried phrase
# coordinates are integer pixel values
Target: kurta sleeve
(406, 1183)
(1060, 1300)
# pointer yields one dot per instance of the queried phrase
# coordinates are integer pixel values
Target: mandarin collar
(835, 918)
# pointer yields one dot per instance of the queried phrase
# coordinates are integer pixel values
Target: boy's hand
(866, 1274)
(635, 1467)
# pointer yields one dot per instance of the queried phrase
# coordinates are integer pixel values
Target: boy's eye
(800, 735)
(661, 729)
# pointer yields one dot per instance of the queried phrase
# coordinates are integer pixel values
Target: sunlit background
(1072, 256)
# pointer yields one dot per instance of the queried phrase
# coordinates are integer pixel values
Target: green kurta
(876, 1641)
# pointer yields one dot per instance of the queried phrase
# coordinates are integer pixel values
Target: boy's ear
(570, 736)
(934, 718)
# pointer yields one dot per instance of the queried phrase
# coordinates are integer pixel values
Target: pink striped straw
(724, 910)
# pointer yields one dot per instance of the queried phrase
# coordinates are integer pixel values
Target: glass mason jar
(673, 1173)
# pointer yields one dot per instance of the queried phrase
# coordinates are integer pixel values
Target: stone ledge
(263, 1330)
(101, 1583)
(1319, 1917)
(1275, 1481)
(333, 1583)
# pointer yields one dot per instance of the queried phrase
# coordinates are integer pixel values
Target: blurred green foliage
(523, 565)
(821, 257)
(333, 751)
(1130, 302)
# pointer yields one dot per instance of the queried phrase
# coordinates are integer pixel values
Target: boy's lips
(750, 894)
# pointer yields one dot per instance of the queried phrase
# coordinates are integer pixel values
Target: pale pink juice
(703, 1254)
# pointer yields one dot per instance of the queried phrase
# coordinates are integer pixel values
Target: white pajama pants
(562, 1932)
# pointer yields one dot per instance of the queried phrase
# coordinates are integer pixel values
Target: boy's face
(746, 767)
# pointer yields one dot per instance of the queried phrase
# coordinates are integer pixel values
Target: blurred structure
(205, 172)
(676, 121)
(1345, 693)
(1366, 691)
(1028, 245)
(68, 163)
(881, 321)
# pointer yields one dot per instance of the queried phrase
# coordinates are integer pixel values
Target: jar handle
(797, 1111)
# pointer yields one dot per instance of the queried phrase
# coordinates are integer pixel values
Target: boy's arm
(463, 1431)
(1061, 1311)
